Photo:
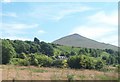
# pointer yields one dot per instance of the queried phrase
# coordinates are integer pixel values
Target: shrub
(23, 62)
(22, 56)
(70, 77)
(99, 64)
(86, 62)
(44, 60)
(14, 61)
(8, 51)
(60, 63)
(74, 62)
(18, 61)
(33, 60)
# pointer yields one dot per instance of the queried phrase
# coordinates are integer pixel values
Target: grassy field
(10, 72)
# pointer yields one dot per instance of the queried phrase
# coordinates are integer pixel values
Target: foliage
(46, 54)
(84, 62)
(33, 60)
(99, 64)
(44, 60)
(18, 61)
(70, 77)
(74, 62)
(8, 52)
(21, 46)
(36, 40)
(60, 63)
(22, 56)
(47, 49)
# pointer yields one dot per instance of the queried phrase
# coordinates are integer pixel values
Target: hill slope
(77, 40)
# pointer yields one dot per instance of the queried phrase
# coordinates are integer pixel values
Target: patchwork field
(10, 72)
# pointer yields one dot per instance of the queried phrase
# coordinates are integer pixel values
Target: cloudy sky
(49, 21)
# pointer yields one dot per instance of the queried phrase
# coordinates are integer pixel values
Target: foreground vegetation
(39, 59)
(11, 72)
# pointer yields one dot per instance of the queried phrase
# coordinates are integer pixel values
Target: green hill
(77, 40)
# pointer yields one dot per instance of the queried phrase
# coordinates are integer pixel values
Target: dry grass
(10, 72)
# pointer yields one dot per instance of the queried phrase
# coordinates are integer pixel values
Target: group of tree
(85, 62)
(38, 53)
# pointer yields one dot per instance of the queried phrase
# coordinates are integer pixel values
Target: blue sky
(49, 21)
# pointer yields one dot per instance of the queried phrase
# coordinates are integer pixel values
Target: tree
(86, 62)
(8, 52)
(43, 60)
(72, 53)
(99, 64)
(110, 51)
(33, 60)
(82, 51)
(110, 60)
(36, 40)
(47, 49)
(74, 62)
(22, 56)
(21, 46)
(35, 48)
(60, 63)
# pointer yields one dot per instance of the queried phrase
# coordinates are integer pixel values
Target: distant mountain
(77, 40)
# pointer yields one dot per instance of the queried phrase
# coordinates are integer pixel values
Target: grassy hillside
(80, 41)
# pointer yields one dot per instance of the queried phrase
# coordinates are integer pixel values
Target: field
(10, 72)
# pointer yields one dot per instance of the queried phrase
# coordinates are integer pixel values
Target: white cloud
(103, 18)
(17, 26)
(15, 30)
(65, 0)
(7, 1)
(41, 32)
(93, 31)
(17, 38)
(57, 11)
(10, 14)
(61, 14)
(101, 27)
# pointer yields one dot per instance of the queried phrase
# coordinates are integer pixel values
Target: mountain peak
(76, 34)
(77, 40)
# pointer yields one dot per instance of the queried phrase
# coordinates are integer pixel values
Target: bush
(99, 64)
(22, 56)
(44, 60)
(18, 61)
(8, 51)
(74, 62)
(23, 62)
(14, 61)
(60, 63)
(86, 62)
(33, 60)
(70, 77)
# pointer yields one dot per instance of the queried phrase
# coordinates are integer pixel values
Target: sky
(49, 21)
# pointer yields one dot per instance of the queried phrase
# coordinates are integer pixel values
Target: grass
(70, 76)
(39, 70)
(82, 77)
(104, 77)
(69, 49)
(46, 73)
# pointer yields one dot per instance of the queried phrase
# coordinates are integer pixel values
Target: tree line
(39, 53)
